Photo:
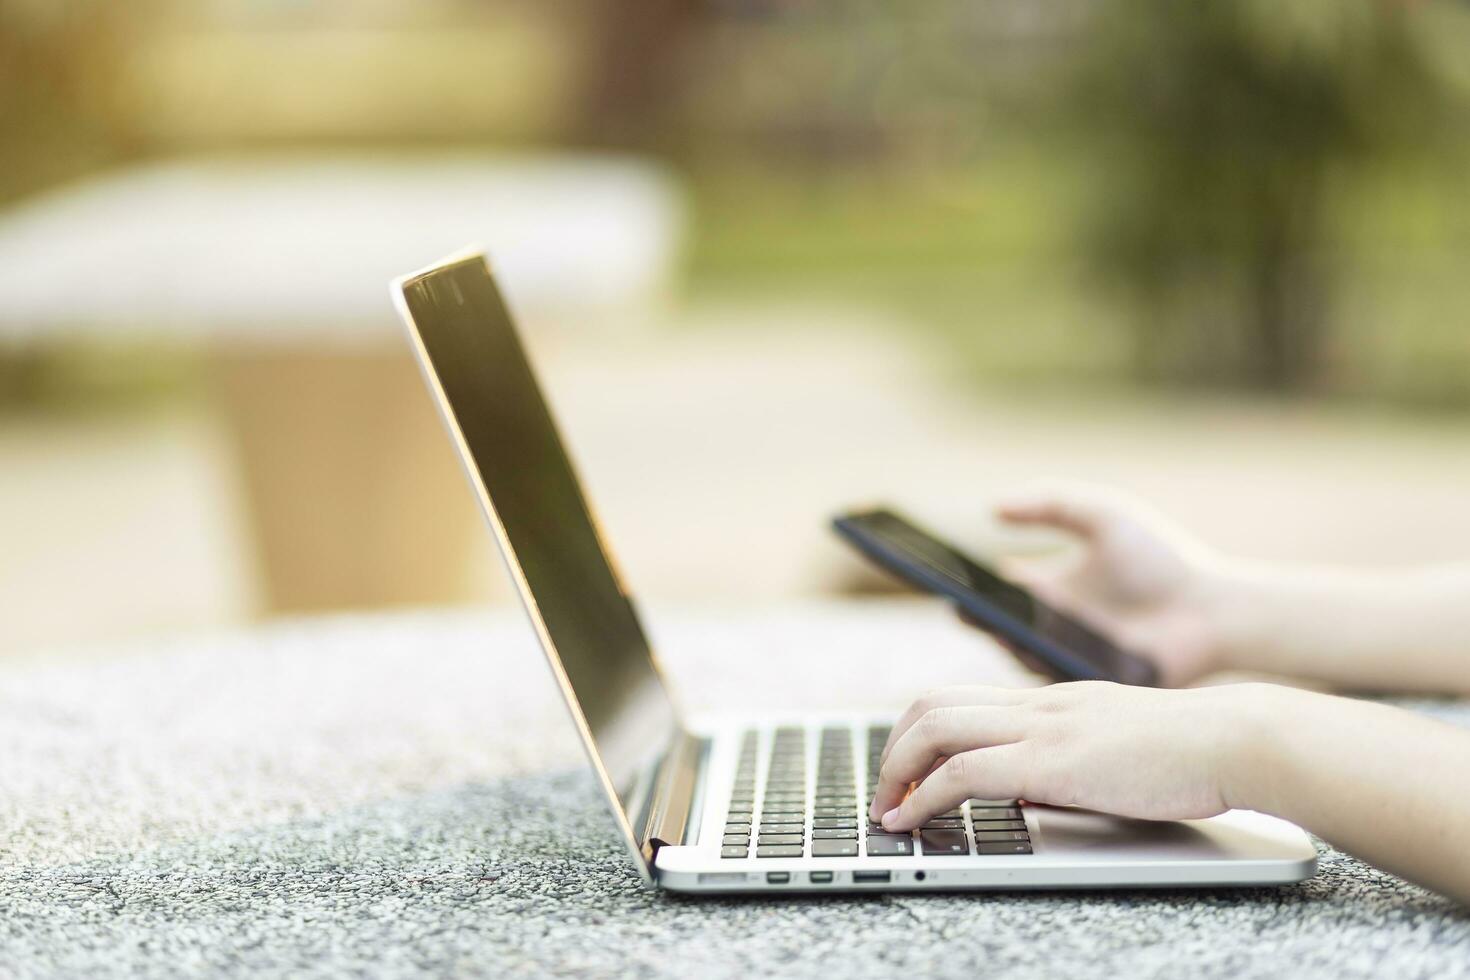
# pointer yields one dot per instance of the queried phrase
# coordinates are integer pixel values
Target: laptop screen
(509, 442)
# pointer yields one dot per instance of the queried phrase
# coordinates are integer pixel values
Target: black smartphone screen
(1068, 648)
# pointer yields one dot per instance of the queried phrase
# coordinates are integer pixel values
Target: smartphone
(1060, 644)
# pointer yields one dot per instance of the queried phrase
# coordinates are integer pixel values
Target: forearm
(1381, 783)
(1392, 630)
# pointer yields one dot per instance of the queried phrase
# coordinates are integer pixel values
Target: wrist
(1250, 757)
(1235, 615)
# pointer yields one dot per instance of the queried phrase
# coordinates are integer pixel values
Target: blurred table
(279, 269)
(403, 796)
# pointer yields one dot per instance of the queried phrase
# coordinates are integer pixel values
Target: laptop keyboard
(785, 815)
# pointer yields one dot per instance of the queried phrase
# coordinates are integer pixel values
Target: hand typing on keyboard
(1138, 752)
(1174, 754)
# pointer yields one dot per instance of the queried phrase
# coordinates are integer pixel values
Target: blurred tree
(1218, 131)
(57, 58)
(632, 68)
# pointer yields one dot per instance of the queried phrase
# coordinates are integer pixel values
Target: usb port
(821, 877)
(869, 877)
(777, 877)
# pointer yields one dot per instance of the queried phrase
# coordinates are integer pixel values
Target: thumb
(1084, 515)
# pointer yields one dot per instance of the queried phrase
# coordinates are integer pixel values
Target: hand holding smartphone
(1063, 646)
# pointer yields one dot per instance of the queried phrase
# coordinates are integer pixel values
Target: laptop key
(995, 813)
(1001, 825)
(834, 848)
(834, 833)
(738, 828)
(834, 822)
(944, 842)
(767, 840)
(833, 811)
(881, 846)
(779, 851)
(945, 823)
(733, 852)
(736, 840)
(1017, 847)
(783, 828)
(991, 836)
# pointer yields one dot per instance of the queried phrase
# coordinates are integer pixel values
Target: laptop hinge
(670, 813)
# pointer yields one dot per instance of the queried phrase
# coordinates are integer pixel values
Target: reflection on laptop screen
(586, 620)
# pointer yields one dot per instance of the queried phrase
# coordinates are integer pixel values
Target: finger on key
(875, 811)
(939, 733)
(993, 773)
(943, 698)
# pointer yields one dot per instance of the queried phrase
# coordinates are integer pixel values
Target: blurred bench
(278, 269)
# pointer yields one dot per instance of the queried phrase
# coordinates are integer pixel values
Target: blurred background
(773, 257)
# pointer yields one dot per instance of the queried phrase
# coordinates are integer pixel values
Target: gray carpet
(524, 878)
(220, 807)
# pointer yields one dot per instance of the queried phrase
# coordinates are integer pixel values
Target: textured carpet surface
(400, 797)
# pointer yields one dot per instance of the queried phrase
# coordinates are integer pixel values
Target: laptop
(753, 804)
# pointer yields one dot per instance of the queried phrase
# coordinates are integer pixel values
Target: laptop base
(1055, 847)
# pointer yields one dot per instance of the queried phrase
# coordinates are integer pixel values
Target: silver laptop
(759, 806)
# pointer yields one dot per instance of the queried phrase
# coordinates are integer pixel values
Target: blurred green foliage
(978, 260)
(94, 376)
(1232, 194)
(1225, 136)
